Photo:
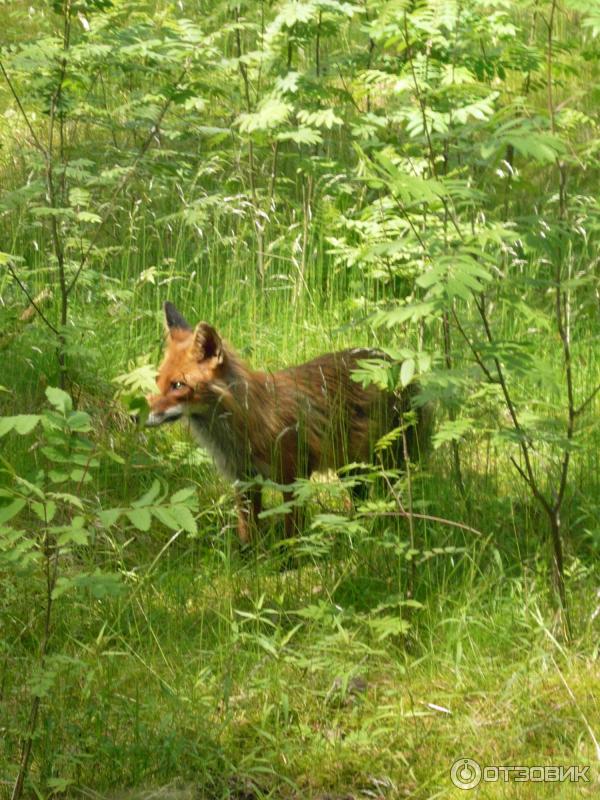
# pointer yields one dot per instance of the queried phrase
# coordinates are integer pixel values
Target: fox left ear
(174, 319)
(207, 343)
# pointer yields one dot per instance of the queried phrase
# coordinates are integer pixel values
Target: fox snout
(157, 415)
(160, 412)
(171, 415)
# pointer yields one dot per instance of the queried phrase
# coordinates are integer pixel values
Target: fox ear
(173, 318)
(207, 343)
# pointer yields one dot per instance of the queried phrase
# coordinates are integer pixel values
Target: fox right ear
(207, 343)
(174, 320)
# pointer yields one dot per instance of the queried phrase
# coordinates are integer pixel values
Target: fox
(279, 426)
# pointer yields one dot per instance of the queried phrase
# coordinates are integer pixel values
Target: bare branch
(32, 301)
(473, 349)
(402, 512)
(587, 402)
(523, 442)
(524, 475)
(13, 91)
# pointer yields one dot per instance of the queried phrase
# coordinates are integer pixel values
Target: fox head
(189, 376)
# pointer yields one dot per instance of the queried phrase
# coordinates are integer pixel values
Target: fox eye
(177, 385)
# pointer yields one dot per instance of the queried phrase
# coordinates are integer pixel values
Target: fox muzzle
(170, 415)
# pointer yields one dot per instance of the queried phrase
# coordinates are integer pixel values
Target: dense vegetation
(305, 175)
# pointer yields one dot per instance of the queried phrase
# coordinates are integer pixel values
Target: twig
(27, 316)
(513, 412)
(410, 515)
(586, 403)
(36, 141)
(473, 349)
(51, 553)
(32, 301)
(40, 298)
(523, 474)
(427, 517)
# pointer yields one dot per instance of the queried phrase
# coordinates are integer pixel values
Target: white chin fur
(173, 413)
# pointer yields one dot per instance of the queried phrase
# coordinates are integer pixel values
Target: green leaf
(17, 548)
(10, 510)
(288, 83)
(56, 455)
(140, 379)
(28, 487)
(292, 13)
(80, 475)
(266, 644)
(84, 459)
(58, 477)
(383, 627)
(140, 518)
(60, 400)
(109, 516)
(59, 785)
(25, 423)
(185, 518)
(102, 584)
(270, 113)
(149, 497)
(302, 135)
(6, 425)
(184, 495)
(45, 511)
(63, 584)
(79, 421)
(164, 515)
(79, 197)
(407, 371)
(527, 139)
(57, 213)
(323, 118)
(42, 682)
(452, 430)
(88, 216)
(408, 186)
(74, 535)
(114, 457)
(412, 312)
(71, 499)
(388, 439)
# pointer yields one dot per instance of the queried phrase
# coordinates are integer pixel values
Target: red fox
(277, 425)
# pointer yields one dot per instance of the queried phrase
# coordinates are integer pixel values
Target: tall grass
(216, 676)
(223, 675)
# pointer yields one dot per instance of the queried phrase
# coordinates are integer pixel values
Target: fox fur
(277, 425)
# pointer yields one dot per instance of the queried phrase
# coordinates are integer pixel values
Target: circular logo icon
(465, 773)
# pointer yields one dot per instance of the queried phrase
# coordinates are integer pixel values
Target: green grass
(199, 679)
(352, 671)
(219, 676)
